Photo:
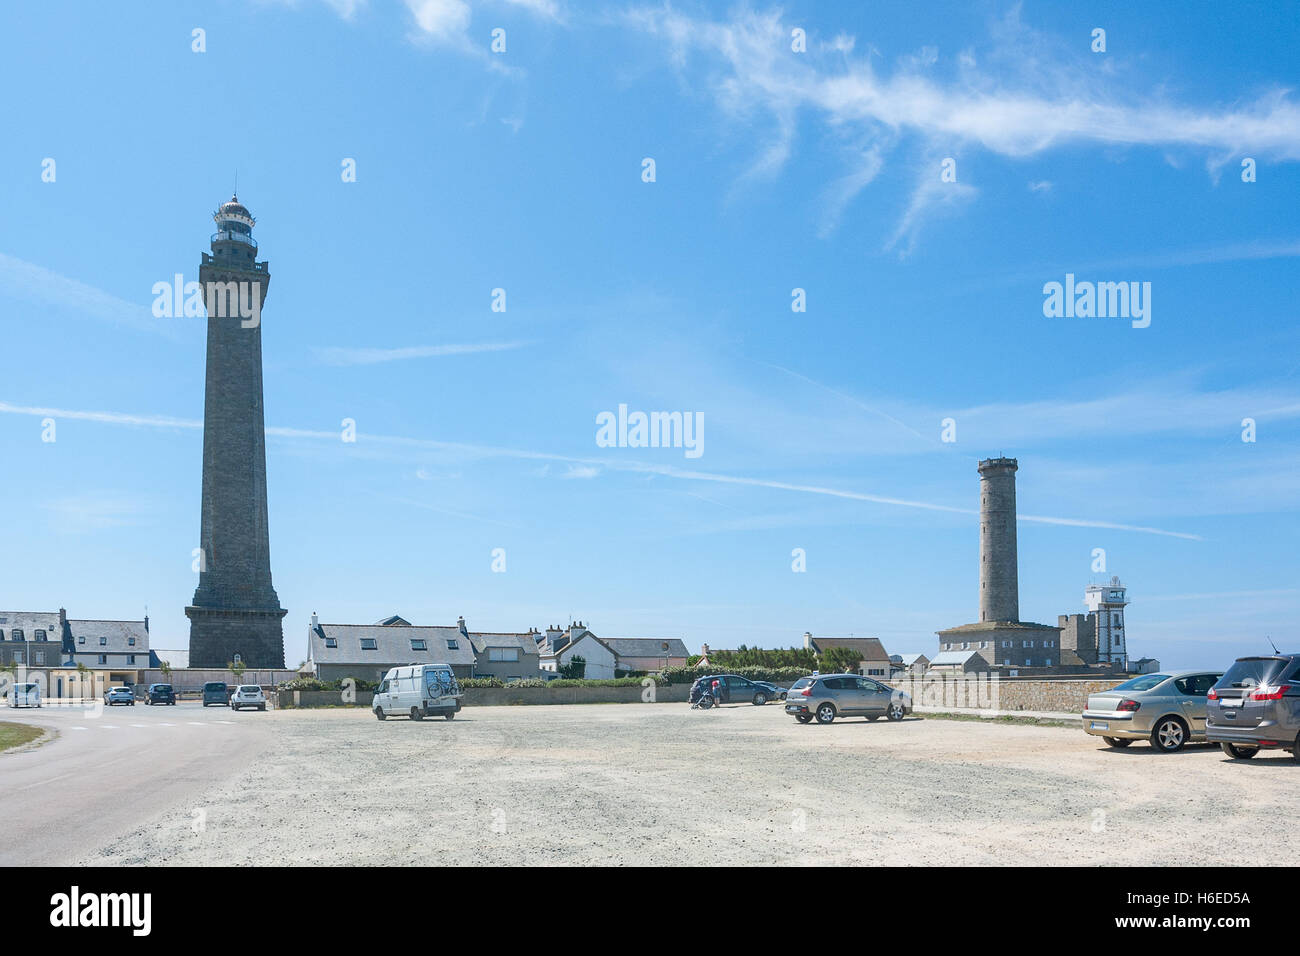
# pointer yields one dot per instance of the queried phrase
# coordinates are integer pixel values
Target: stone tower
(999, 588)
(236, 614)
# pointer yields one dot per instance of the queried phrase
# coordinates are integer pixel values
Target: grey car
(823, 697)
(1167, 709)
(1256, 706)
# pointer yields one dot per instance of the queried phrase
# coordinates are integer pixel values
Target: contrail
(666, 471)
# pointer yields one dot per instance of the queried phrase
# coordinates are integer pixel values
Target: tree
(166, 670)
(841, 658)
(82, 671)
(575, 669)
(237, 668)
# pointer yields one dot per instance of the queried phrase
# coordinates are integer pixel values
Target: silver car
(823, 697)
(1167, 709)
(1256, 706)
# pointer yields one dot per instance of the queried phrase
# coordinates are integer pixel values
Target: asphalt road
(108, 771)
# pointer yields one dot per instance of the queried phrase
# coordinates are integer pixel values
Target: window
(102, 659)
(103, 642)
(505, 655)
(418, 645)
(369, 644)
(453, 644)
(38, 635)
(875, 672)
(965, 645)
(40, 658)
(1048, 662)
(331, 642)
(130, 658)
(81, 640)
(1028, 662)
(1006, 643)
(17, 634)
(131, 641)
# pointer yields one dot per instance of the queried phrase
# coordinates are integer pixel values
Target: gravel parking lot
(662, 784)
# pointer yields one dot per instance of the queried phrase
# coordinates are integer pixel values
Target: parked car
(418, 690)
(1256, 706)
(1167, 709)
(248, 695)
(734, 687)
(25, 695)
(119, 695)
(824, 697)
(216, 692)
(778, 693)
(160, 694)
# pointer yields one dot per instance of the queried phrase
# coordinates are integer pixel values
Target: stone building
(236, 613)
(367, 651)
(1003, 641)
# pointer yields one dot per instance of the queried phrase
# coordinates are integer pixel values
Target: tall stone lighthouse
(999, 637)
(999, 590)
(236, 614)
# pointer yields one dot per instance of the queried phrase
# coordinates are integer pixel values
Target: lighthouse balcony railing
(231, 236)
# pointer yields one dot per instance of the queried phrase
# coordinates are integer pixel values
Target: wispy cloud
(79, 514)
(1031, 98)
(33, 283)
(339, 355)
(636, 467)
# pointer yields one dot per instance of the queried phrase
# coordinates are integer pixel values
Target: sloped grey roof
(178, 659)
(482, 640)
(118, 634)
(29, 622)
(646, 646)
(954, 657)
(392, 644)
(910, 659)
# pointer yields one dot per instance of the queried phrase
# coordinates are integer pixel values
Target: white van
(418, 690)
(25, 695)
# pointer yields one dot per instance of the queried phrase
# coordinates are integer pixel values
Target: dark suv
(216, 692)
(733, 687)
(1256, 705)
(160, 694)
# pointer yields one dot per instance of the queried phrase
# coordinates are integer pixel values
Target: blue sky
(775, 170)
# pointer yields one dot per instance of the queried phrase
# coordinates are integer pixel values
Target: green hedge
(471, 682)
(777, 675)
(312, 683)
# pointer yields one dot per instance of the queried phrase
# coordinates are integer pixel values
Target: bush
(312, 683)
(777, 675)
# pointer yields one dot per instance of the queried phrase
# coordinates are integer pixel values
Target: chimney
(704, 650)
(807, 639)
(146, 623)
(63, 615)
(460, 623)
(315, 621)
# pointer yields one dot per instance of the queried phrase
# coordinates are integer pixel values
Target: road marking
(166, 725)
(196, 723)
(80, 728)
(108, 727)
(223, 721)
(139, 725)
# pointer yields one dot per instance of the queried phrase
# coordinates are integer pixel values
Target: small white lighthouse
(1107, 602)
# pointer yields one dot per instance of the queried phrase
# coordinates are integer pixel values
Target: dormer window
(17, 634)
(331, 642)
(38, 635)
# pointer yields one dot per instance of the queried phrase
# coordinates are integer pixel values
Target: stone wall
(972, 693)
(505, 696)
